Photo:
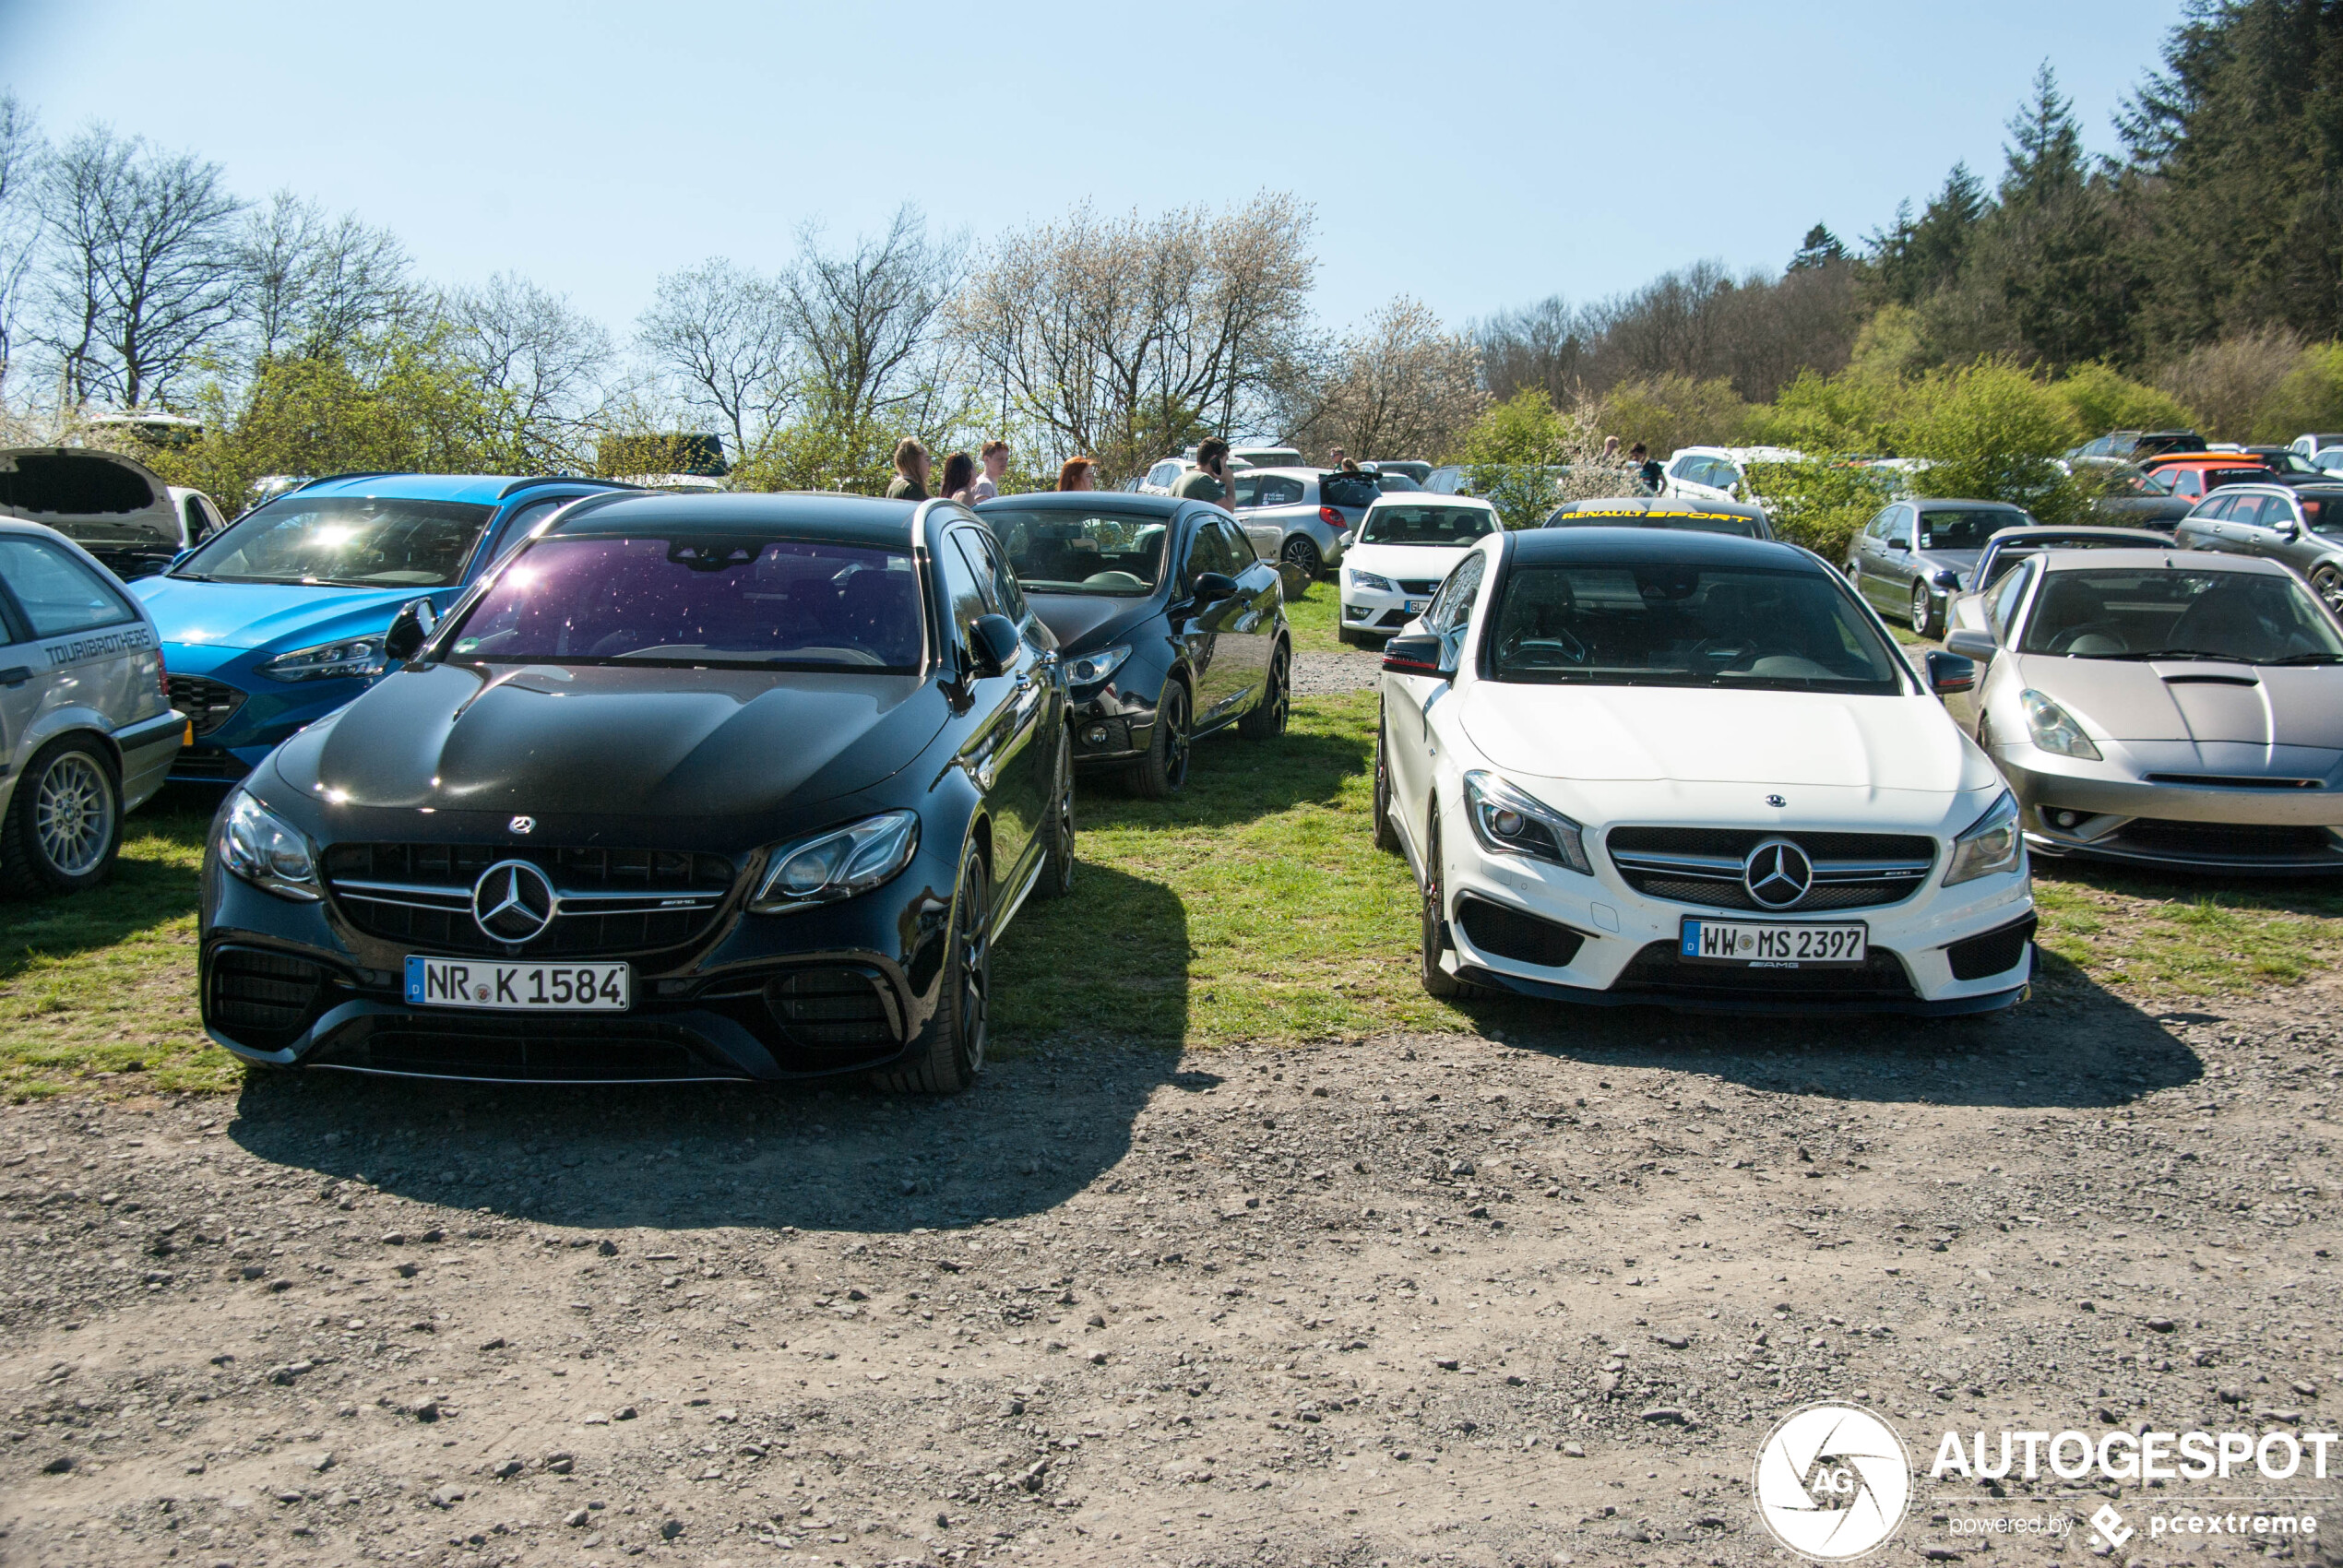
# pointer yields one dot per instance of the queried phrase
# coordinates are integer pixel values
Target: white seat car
(1636, 765)
(1395, 559)
(1717, 473)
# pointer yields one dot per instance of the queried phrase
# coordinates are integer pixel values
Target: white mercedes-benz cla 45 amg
(1692, 769)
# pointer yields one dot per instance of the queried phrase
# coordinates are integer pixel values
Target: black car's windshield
(2177, 614)
(1347, 490)
(1426, 525)
(1119, 555)
(1654, 625)
(344, 541)
(1965, 531)
(674, 599)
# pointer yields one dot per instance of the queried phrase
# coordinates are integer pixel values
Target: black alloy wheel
(949, 1052)
(1057, 833)
(1923, 612)
(2328, 581)
(1267, 719)
(1437, 982)
(1163, 771)
(63, 825)
(1302, 551)
(1386, 838)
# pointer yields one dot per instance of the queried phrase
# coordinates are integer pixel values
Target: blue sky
(1474, 155)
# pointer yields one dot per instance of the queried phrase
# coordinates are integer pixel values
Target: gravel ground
(1319, 674)
(1454, 1299)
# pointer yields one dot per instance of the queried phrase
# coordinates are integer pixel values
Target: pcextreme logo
(1832, 1482)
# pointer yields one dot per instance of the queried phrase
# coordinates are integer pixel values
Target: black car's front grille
(540, 1048)
(609, 900)
(210, 767)
(1703, 865)
(2224, 840)
(207, 704)
(1660, 968)
(1517, 934)
(1994, 953)
(263, 999)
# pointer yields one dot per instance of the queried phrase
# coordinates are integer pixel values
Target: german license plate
(1416, 606)
(517, 988)
(1770, 946)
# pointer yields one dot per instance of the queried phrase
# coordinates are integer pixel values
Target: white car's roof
(1429, 498)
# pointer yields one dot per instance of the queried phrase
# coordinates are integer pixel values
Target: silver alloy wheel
(1923, 611)
(2328, 582)
(73, 813)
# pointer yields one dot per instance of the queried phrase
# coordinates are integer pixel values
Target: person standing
(960, 479)
(1334, 458)
(996, 464)
(1209, 481)
(1611, 451)
(1077, 474)
(911, 472)
(1646, 465)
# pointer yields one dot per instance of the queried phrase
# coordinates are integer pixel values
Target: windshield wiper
(2171, 653)
(2305, 658)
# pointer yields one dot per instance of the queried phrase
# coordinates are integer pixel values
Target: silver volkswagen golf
(86, 734)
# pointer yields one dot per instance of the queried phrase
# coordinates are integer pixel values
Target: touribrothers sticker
(1832, 1482)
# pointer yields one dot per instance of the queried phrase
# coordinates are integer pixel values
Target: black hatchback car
(688, 787)
(1169, 624)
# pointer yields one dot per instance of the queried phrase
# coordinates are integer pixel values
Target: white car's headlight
(1508, 822)
(1369, 582)
(266, 851)
(1992, 844)
(2055, 729)
(1084, 669)
(837, 864)
(351, 656)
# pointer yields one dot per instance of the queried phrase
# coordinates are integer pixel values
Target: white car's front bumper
(1626, 946)
(1372, 611)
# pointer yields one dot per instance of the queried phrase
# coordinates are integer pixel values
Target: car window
(2181, 613)
(1347, 490)
(1452, 605)
(199, 525)
(1878, 529)
(2188, 483)
(1391, 483)
(58, 592)
(2322, 513)
(1116, 554)
(1207, 551)
(1426, 525)
(515, 529)
(963, 595)
(2005, 602)
(1968, 530)
(2257, 510)
(1235, 544)
(2213, 511)
(1267, 490)
(995, 580)
(352, 540)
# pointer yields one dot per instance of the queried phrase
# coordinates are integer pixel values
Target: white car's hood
(1699, 735)
(1416, 563)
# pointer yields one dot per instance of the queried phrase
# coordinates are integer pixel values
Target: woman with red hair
(1078, 474)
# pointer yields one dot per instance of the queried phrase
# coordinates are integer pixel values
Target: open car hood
(98, 499)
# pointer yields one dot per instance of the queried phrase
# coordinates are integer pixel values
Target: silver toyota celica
(2165, 707)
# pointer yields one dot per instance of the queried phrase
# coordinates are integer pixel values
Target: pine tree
(1820, 248)
(2045, 148)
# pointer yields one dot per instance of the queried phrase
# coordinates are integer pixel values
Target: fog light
(2066, 821)
(1095, 734)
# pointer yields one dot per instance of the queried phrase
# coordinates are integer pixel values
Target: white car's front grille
(1704, 866)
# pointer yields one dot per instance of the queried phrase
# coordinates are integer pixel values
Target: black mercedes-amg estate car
(687, 787)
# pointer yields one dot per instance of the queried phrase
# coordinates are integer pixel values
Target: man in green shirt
(1209, 481)
(911, 472)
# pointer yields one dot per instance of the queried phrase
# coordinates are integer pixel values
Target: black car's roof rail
(520, 484)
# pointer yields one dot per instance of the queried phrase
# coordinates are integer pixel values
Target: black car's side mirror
(1213, 587)
(409, 629)
(1419, 653)
(993, 644)
(1949, 672)
(1969, 644)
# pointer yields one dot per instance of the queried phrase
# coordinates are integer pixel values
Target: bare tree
(1120, 335)
(312, 284)
(22, 151)
(723, 336)
(1545, 346)
(544, 361)
(142, 271)
(1401, 386)
(867, 320)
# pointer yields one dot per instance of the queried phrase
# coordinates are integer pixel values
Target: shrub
(1992, 432)
(2227, 382)
(1821, 501)
(2102, 400)
(2309, 398)
(1668, 411)
(1852, 412)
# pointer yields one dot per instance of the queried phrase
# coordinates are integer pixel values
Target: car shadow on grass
(144, 890)
(1232, 780)
(1078, 1016)
(2075, 1045)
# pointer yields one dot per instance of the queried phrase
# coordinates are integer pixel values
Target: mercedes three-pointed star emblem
(1777, 873)
(513, 901)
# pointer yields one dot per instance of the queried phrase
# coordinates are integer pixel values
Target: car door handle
(16, 676)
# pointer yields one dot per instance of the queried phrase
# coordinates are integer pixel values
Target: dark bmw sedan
(1169, 626)
(688, 787)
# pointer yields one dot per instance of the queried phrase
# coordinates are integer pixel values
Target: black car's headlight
(1088, 669)
(266, 851)
(1508, 822)
(837, 864)
(351, 656)
(1991, 844)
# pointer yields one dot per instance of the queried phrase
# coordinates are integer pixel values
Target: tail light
(1332, 518)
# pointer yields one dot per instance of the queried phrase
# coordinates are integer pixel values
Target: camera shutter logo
(1832, 1482)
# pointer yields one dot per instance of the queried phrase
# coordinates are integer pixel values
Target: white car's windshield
(1665, 624)
(1435, 526)
(2175, 613)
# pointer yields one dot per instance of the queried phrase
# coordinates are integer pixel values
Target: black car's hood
(546, 740)
(1083, 623)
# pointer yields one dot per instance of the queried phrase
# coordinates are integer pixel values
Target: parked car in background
(2192, 477)
(1449, 479)
(2287, 465)
(2127, 497)
(1391, 482)
(2310, 446)
(2010, 546)
(1168, 627)
(1717, 473)
(1916, 555)
(87, 734)
(2329, 461)
(1300, 514)
(2132, 446)
(731, 787)
(1403, 548)
(1636, 767)
(2183, 710)
(278, 619)
(1261, 457)
(2301, 527)
(1636, 512)
(1420, 473)
(114, 506)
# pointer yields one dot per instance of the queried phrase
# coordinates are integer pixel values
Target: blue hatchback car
(278, 619)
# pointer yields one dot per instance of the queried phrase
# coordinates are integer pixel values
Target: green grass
(1313, 618)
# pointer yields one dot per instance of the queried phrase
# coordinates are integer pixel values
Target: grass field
(1252, 907)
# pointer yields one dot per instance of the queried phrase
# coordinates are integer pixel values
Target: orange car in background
(2188, 475)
